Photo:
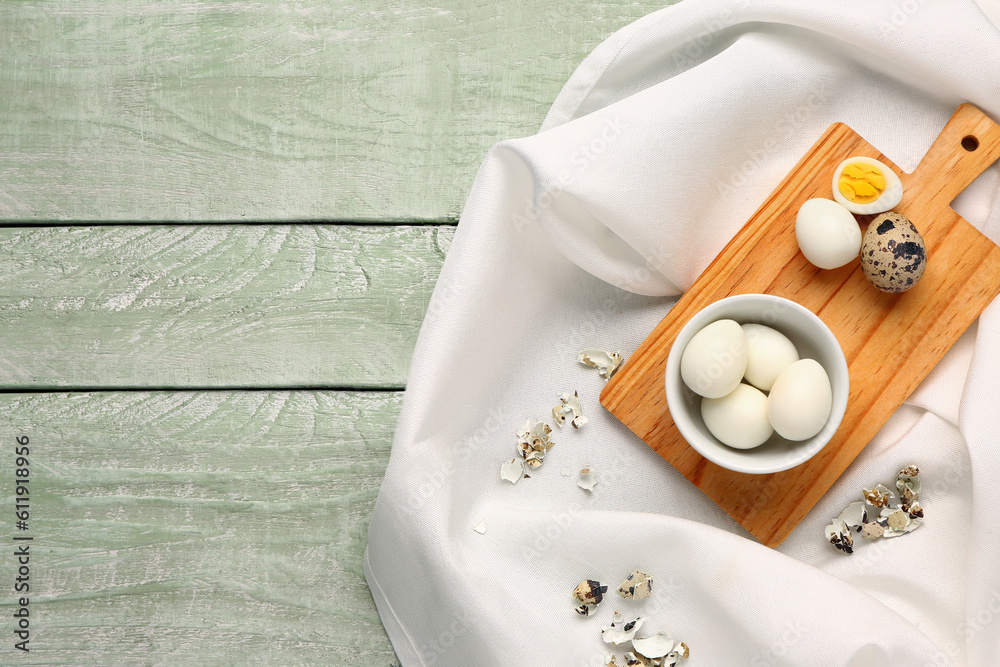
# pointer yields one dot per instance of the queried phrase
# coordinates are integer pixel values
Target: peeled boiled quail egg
(800, 401)
(827, 233)
(768, 353)
(893, 254)
(738, 419)
(715, 359)
(865, 186)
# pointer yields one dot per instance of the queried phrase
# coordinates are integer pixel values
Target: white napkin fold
(659, 148)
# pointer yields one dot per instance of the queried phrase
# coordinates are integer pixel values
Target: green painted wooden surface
(199, 528)
(231, 110)
(214, 305)
(228, 526)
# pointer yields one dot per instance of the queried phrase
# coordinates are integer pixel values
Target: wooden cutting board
(891, 341)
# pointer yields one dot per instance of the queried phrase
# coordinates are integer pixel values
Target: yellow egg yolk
(861, 183)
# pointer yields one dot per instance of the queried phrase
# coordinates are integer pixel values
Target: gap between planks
(390, 389)
(402, 222)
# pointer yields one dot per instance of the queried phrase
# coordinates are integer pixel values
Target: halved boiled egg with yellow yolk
(865, 186)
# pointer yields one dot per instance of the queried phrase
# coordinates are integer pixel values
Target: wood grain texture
(891, 341)
(229, 110)
(200, 528)
(213, 305)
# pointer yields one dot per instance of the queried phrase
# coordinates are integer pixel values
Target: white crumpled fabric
(658, 149)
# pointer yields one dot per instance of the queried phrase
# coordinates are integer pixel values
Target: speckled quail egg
(865, 186)
(893, 254)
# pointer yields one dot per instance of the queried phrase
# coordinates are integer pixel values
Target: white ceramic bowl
(812, 338)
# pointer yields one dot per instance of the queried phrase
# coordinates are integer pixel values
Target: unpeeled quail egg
(738, 419)
(865, 186)
(715, 359)
(827, 233)
(893, 254)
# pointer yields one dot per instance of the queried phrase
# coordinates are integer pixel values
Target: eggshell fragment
(589, 592)
(827, 233)
(768, 353)
(800, 401)
(654, 646)
(512, 471)
(878, 497)
(738, 419)
(569, 409)
(854, 515)
(606, 363)
(908, 484)
(637, 586)
(621, 631)
(839, 535)
(897, 519)
(533, 442)
(715, 359)
(881, 513)
(871, 530)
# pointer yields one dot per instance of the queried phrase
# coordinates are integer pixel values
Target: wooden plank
(223, 110)
(891, 341)
(200, 528)
(196, 306)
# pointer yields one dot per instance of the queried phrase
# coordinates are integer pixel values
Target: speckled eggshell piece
(893, 255)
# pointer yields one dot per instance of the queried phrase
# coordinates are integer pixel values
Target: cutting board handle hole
(970, 143)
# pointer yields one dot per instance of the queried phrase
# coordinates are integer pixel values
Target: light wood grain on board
(202, 528)
(213, 305)
(221, 110)
(891, 341)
